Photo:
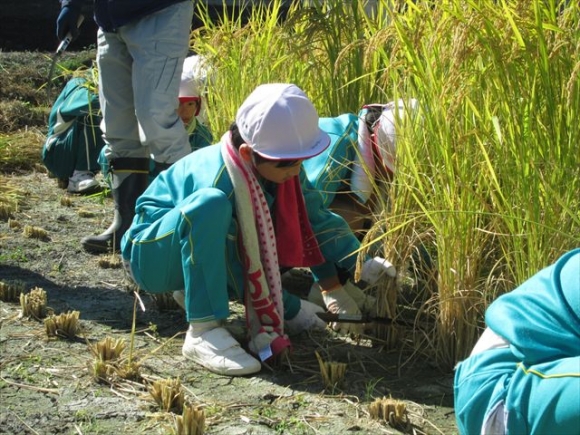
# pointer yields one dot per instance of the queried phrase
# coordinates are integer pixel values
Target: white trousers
(139, 73)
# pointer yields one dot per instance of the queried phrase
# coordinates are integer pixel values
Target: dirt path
(48, 387)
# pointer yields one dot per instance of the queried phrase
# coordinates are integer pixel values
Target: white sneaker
(219, 352)
(82, 182)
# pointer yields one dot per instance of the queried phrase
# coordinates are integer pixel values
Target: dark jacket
(112, 14)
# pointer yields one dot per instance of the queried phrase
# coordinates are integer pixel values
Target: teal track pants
(186, 249)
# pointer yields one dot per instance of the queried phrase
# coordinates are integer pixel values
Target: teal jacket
(74, 138)
(533, 383)
(330, 172)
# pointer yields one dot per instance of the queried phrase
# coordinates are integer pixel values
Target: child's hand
(305, 320)
(365, 302)
(338, 301)
(375, 268)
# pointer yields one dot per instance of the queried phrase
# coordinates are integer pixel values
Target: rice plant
(332, 372)
(391, 411)
(10, 291)
(168, 395)
(488, 174)
(33, 232)
(10, 196)
(191, 421)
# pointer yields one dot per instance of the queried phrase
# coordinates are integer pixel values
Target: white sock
(198, 328)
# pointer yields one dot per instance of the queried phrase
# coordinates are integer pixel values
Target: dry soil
(47, 385)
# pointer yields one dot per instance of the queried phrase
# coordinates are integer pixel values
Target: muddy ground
(48, 386)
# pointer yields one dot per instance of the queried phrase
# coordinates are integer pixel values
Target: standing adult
(141, 48)
(191, 103)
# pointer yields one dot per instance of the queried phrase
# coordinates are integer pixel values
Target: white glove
(375, 268)
(315, 295)
(365, 302)
(305, 320)
(339, 302)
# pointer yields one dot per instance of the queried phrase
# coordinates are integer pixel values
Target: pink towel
(297, 245)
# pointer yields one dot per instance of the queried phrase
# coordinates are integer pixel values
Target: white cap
(193, 79)
(279, 122)
(386, 132)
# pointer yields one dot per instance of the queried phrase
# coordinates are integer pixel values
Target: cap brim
(320, 144)
(187, 99)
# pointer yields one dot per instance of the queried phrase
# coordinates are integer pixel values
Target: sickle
(60, 49)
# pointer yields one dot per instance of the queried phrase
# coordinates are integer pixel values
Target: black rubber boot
(134, 174)
(159, 167)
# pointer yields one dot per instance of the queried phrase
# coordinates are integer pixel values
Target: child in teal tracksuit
(523, 375)
(222, 221)
(360, 156)
(74, 138)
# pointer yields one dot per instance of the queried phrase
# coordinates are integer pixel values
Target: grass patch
(21, 150)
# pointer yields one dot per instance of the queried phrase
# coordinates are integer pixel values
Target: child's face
(272, 171)
(187, 110)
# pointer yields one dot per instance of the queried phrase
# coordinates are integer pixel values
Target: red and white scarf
(263, 292)
(261, 244)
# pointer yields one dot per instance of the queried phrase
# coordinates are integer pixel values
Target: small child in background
(74, 138)
(191, 91)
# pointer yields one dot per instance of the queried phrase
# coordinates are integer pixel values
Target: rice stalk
(332, 372)
(110, 261)
(109, 349)
(109, 365)
(33, 304)
(20, 150)
(64, 325)
(14, 224)
(168, 395)
(166, 301)
(453, 170)
(82, 212)
(392, 411)
(33, 232)
(10, 196)
(10, 291)
(191, 421)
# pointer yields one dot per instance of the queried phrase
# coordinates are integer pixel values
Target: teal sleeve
(543, 313)
(330, 171)
(200, 137)
(291, 304)
(337, 242)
